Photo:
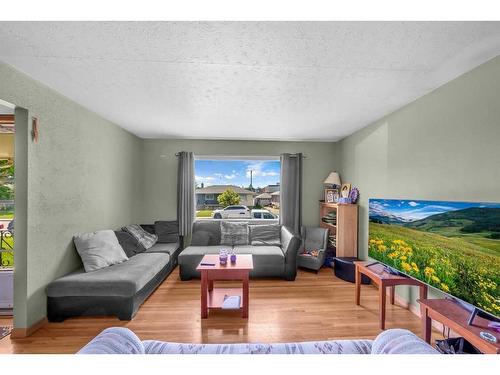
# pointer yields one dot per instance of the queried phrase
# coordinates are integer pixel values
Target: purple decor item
(354, 195)
(233, 258)
(223, 257)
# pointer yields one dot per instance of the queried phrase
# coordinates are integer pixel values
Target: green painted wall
(160, 170)
(443, 146)
(82, 176)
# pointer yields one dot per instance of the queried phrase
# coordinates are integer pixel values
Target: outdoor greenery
(204, 213)
(464, 264)
(6, 179)
(228, 198)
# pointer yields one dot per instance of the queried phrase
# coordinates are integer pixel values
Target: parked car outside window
(232, 212)
(262, 214)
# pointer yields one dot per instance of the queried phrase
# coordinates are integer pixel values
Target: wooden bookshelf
(345, 229)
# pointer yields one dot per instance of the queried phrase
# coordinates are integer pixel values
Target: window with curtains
(237, 187)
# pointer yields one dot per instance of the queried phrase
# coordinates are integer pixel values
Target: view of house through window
(237, 189)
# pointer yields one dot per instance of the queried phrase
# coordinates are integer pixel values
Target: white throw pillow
(99, 249)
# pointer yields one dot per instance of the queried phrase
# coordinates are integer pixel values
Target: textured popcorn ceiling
(246, 80)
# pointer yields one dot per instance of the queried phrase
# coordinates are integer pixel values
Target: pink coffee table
(212, 297)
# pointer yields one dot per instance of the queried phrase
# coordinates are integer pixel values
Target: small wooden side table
(451, 314)
(378, 274)
(211, 297)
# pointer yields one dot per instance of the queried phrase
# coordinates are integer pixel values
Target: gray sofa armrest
(290, 244)
(115, 340)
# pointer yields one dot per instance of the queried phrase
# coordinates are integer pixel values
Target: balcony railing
(6, 248)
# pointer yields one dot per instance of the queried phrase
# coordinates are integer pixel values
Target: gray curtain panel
(291, 191)
(185, 193)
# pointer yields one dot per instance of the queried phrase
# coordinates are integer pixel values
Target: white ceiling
(246, 80)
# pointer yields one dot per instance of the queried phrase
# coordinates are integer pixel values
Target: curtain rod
(243, 157)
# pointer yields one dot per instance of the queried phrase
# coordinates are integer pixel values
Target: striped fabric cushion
(311, 347)
(146, 239)
(115, 340)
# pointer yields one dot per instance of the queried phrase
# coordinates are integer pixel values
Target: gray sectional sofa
(274, 259)
(119, 289)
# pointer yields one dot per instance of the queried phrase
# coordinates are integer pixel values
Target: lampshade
(333, 179)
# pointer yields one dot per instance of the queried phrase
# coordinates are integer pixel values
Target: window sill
(250, 221)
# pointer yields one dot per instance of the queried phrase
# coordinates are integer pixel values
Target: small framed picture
(336, 195)
(330, 195)
(345, 191)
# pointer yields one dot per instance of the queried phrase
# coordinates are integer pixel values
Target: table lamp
(333, 179)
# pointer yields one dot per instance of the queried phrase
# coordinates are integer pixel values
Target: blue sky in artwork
(411, 210)
(237, 172)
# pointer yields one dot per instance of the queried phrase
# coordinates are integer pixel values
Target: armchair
(313, 238)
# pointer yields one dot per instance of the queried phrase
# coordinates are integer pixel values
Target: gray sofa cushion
(150, 228)
(200, 250)
(99, 249)
(266, 234)
(168, 248)
(145, 238)
(264, 256)
(124, 279)
(233, 233)
(167, 231)
(129, 244)
(205, 233)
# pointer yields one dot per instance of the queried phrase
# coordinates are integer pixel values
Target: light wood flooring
(313, 307)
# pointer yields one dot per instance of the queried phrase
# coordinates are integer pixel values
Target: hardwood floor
(314, 307)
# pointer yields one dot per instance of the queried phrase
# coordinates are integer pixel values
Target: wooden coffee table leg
(382, 293)
(204, 295)
(358, 285)
(393, 291)
(210, 285)
(245, 297)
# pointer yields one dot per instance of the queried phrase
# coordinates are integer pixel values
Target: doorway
(7, 221)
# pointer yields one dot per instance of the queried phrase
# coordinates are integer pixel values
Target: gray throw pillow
(233, 233)
(99, 249)
(266, 234)
(129, 244)
(146, 239)
(167, 231)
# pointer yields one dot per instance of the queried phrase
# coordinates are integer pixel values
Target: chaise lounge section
(117, 290)
(274, 259)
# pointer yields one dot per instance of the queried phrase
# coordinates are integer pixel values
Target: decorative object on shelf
(223, 257)
(336, 195)
(346, 189)
(344, 201)
(354, 195)
(330, 195)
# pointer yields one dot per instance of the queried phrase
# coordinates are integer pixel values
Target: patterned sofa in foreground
(123, 341)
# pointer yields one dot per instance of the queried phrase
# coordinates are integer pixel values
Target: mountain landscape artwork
(452, 246)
